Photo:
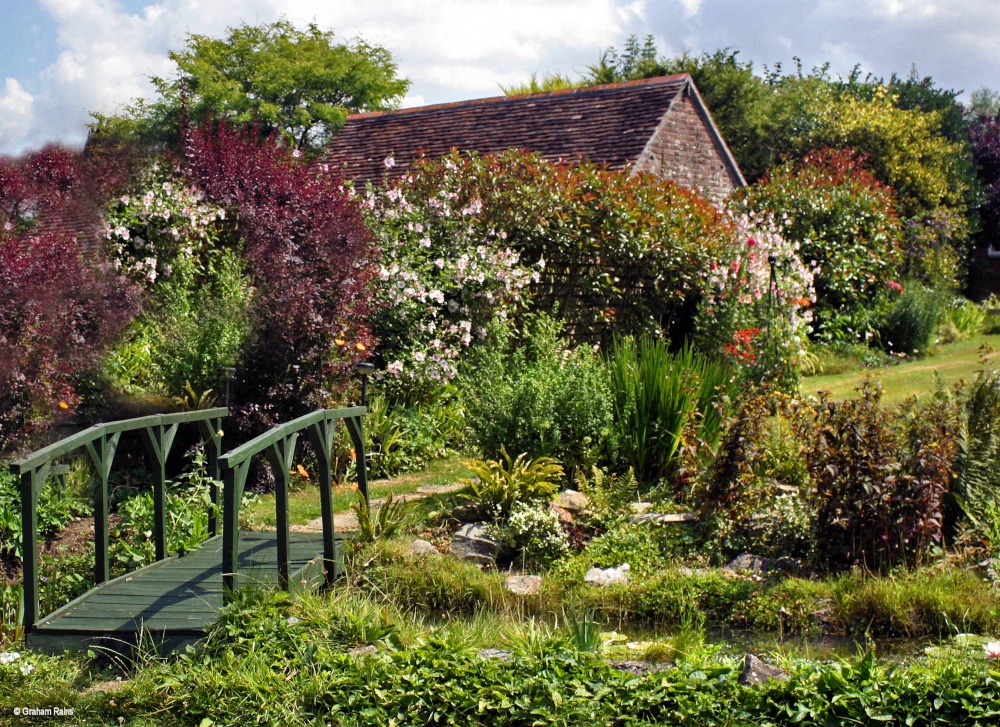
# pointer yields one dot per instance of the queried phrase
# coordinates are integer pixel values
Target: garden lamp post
(772, 286)
(364, 368)
(228, 374)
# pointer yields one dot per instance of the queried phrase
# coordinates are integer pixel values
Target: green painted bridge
(174, 600)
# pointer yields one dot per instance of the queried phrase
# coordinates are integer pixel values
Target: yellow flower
(339, 341)
(63, 405)
(359, 346)
(302, 471)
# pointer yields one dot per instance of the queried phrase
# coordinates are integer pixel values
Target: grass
(952, 363)
(280, 659)
(304, 504)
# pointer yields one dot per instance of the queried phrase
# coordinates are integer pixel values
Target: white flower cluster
(740, 296)
(152, 231)
(442, 278)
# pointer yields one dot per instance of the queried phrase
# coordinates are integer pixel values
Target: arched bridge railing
(278, 445)
(101, 443)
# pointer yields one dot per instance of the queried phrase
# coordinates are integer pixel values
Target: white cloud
(449, 49)
(16, 115)
(458, 49)
(691, 7)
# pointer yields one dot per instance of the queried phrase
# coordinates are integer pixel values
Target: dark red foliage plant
(311, 259)
(880, 477)
(60, 305)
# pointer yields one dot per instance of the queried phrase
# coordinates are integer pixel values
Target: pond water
(819, 647)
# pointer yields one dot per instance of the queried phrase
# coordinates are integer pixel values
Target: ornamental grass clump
(659, 397)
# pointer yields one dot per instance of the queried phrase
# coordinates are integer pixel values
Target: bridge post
(354, 426)
(102, 456)
(280, 455)
(321, 436)
(234, 479)
(158, 439)
(211, 434)
(31, 483)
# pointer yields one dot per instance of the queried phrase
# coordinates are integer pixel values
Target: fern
(500, 484)
(977, 464)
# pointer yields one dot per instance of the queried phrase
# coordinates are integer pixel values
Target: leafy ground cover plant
(501, 484)
(288, 660)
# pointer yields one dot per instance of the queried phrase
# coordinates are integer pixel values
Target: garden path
(347, 521)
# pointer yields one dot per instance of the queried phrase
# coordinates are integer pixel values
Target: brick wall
(684, 151)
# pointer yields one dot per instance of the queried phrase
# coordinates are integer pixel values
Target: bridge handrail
(278, 445)
(101, 443)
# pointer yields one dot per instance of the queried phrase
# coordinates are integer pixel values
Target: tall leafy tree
(301, 82)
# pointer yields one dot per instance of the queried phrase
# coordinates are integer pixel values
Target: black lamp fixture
(364, 368)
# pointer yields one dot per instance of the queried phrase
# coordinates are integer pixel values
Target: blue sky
(60, 59)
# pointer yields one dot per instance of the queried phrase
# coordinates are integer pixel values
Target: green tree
(300, 82)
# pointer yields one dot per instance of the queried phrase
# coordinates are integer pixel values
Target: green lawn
(304, 505)
(952, 363)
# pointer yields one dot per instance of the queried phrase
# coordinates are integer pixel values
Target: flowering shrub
(164, 224)
(168, 239)
(612, 253)
(842, 218)
(443, 277)
(310, 258)
(755, 308)
(533, 531)
(59, 308)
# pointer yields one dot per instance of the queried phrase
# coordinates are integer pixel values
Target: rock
(989, 569)
(759, 565)
(638, 668)
(757, 672)
(472, 543)
(565, 516)
(524, 585)
(607, 576)
(640, 507)
(421, 547)
(669, 518)
(500, 654)
(363, 650)
(573, 501)
(466, 513)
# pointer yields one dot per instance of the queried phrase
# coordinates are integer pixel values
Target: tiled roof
(608, 124)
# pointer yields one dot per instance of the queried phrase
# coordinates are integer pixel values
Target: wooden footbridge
(175, 599)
